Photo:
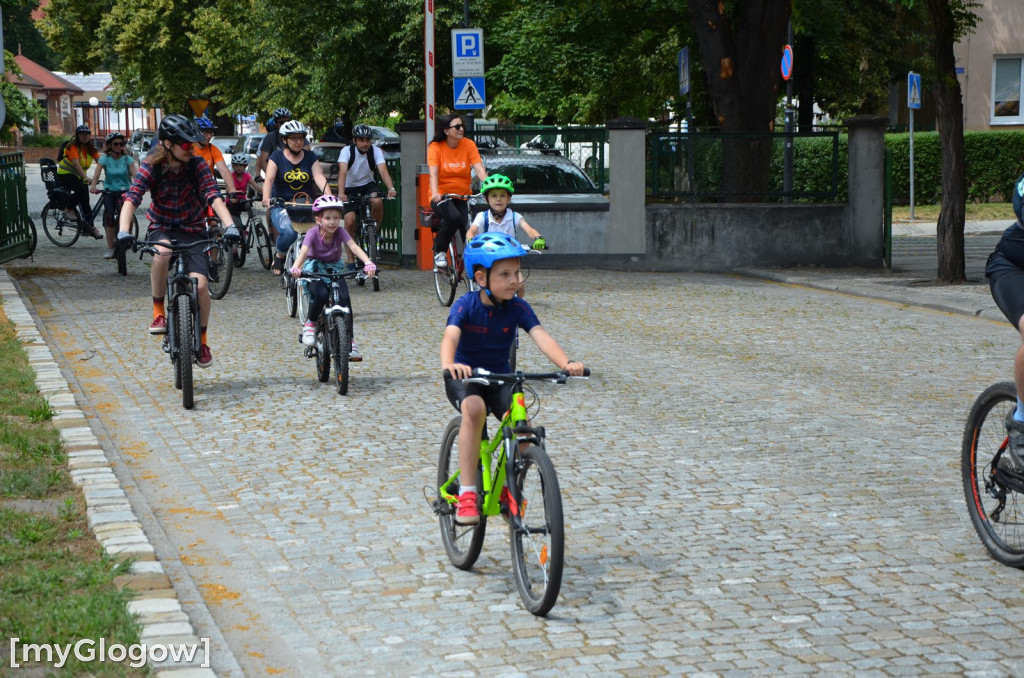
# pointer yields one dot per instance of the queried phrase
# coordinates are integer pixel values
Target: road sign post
(787, 72)
(468, 86)
(913, 102)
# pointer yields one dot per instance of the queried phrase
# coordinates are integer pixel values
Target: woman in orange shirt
(450, 156)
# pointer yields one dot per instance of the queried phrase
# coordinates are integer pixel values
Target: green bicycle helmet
(497, 181)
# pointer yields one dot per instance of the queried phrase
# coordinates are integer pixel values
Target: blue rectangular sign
(913, 90)
(684, 71)
(469, 93)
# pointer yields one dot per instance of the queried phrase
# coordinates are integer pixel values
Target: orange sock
(202, 336)
(158, 308)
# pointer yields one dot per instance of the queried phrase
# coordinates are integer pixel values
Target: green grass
(987, 211)
(56, 585)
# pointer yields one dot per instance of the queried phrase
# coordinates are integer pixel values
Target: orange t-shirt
(453, 165)
(211, 154)
(72, 153)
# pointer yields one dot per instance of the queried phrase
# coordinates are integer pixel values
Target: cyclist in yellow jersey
(72, 172)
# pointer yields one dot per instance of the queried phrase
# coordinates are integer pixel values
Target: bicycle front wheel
(61, 231)
(185, 340)
(537, 531)
(323, 352)
(222, 266)
(995, 497)
(445, 280)
(462, 543)
(291, 292)
(121, 255)
(263, 245)
(341, 347)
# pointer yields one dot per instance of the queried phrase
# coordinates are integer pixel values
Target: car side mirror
(145, 145)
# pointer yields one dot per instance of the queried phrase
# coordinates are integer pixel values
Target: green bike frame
(494, 478)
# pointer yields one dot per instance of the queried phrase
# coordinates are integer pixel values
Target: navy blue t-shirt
(488, 331)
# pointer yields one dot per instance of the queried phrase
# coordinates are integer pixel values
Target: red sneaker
(205, 357)
(159, 325)
(468, 513)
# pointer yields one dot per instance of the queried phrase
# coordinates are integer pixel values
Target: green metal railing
(391, 224)
(16, 228)
(693, 166)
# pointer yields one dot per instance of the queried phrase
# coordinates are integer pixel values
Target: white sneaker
(109, 254)
(440, 261)
(309, 334)
(354, 355)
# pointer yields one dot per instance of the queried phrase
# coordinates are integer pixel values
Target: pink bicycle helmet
(327, 202)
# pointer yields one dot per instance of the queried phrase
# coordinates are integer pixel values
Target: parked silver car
(139, 144)
(543, 181)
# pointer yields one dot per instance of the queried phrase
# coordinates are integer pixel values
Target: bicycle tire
(291, 296)
(33, 239)
(323, 352)
(60, 230)
(221, 260)
(373, 251)
(445, 282)
(186, 341)
(263, 247)
(240, 250)
(303, 298)
(462, 543)
(341, 346)
(121, 255)
(996, 510)
(537, 539)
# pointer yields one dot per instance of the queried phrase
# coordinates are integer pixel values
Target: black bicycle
(367, 235)
(63, 221)
(254, 234)
(182, 341)
(333, 338)
(993, 486)
(222, 256)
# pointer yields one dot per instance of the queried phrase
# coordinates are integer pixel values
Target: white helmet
(240, 159)
(292, 127)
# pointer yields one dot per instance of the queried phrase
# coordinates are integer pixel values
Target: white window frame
(1004, 119)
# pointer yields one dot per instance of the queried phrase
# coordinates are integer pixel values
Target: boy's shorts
(196, 260)
(497, 397)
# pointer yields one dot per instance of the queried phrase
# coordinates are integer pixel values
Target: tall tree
(21, 33)
(740, 45)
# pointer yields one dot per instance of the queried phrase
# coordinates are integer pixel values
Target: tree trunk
(741, 63)
(949, 109)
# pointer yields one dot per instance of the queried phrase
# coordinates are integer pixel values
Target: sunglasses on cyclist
(185, 145)
(459, 126)
(117, 144)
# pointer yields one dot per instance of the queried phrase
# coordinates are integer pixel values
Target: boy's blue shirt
(488, 331)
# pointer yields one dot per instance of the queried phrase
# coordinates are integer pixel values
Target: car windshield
(327, 153)
(540, 176)
(225, 144)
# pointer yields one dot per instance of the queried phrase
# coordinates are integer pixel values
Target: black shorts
(497, 397)
(353, 191)
(196, 261)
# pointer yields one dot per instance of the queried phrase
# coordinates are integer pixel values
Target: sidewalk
(911, 280)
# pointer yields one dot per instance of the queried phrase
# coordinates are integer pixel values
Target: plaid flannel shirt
(174, 204)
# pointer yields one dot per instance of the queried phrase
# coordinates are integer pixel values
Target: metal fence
(391, 224)
(15, 226)
(586, 147)
(715, 166)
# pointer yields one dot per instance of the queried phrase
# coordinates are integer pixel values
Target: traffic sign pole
(787, 73)
(428, 68)
(913, 101)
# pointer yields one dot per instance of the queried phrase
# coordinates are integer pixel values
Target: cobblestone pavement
(759, 479)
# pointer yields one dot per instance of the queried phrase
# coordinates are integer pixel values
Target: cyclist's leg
(158, 272)
(110, 211)
(198, 266)
(286, 234)
(318, 293)
(377, 210)
(468, 399)
(1006, 282)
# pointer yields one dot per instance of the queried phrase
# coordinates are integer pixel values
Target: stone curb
(155, 605)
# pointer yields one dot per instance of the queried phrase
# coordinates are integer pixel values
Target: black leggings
(448, 227)
(320, 294)
(81, 192)
(111, 200)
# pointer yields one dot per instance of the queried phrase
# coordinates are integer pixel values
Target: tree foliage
(21, 110)
(20, 32)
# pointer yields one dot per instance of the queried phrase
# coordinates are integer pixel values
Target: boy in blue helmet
(480, 331)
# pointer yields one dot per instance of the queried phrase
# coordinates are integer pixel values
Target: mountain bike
(63, 222)
(333, 338)
(993, 488)
(182, 341)
(222, 256)
(448, 278)
(367, 235)
(519, 483)
(254, 235)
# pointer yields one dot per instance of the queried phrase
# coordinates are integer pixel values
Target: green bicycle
(519, 483)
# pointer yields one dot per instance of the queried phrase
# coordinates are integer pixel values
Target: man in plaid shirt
(180, 187)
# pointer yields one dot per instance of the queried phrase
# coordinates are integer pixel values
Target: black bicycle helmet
(362, 132)
(114, 135)
(83, 128)
(178, 128)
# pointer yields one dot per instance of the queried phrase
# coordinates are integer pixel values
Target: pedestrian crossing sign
(469, 93)
(913, 90)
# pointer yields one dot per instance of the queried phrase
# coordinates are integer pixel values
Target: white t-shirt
(360, 173)
(485, 223)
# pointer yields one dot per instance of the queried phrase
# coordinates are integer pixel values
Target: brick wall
(33, 153)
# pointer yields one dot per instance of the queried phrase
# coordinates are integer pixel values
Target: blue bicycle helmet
(487, 248)
(205, 123)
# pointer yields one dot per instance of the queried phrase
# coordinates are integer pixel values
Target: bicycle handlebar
(482, 376)
(327, 274)
(151, 248)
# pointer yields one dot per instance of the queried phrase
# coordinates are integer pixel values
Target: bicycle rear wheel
(445, 280)
(995, 496)
(59, 229)
(33, 239)
(222, 266)
(462, 543)
(341, 346)
(263, 245)
(186, 342)
(537, 533)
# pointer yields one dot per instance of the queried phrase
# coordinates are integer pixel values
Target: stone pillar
(414, 154)
(866, 188)
(627, 194)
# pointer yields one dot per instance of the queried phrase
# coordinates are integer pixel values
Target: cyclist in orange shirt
(210, 153)
(450, 156)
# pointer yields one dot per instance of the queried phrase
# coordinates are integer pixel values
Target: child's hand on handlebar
(370, 268)
(296, 272)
